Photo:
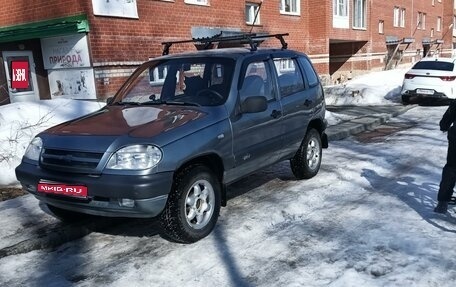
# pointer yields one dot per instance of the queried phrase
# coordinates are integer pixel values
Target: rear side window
(434, 65)
(309, 72)
(289, 75)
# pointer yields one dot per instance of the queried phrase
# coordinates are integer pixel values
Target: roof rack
(243, 39)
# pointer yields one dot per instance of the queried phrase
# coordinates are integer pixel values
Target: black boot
(441, 207)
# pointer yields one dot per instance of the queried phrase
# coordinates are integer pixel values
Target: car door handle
(307, 103)
(275, 114)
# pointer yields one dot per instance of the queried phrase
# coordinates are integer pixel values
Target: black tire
(66, 215)
(405, 99)
(306, 162)
(183, 201)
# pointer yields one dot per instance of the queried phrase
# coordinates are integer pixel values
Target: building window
(421, 21)
(433, 2)
(359, 13)
(290, 7)
(340, 8)
(432, 32)
(381, 25)
(197, 2)
(399, 17)
(396, 16)
(251, 9)
(439, 24)
(402, 18)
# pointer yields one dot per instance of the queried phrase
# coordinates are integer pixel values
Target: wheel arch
(214, 162)
(320, 126)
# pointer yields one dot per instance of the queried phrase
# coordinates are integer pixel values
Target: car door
(297, 102)
(256, 136)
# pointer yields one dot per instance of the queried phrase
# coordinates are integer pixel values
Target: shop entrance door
(22, 85)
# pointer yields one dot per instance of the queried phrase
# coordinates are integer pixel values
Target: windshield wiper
(175, 103)
(127, 103)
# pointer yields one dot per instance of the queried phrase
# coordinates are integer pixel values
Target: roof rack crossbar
(249, 38)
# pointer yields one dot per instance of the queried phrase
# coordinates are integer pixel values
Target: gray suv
(179, 130)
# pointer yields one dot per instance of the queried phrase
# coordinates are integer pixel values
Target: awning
(43, 29)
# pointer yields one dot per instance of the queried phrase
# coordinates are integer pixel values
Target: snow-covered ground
(365, 220)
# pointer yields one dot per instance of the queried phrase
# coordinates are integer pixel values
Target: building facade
(85, 49)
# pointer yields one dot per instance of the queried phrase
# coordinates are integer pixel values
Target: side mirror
(254, 104)
(109, 100)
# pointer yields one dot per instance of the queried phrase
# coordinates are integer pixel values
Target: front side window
(290, 7)
(289, 76)
(204, 82)
(251, 10)
(359, 13)
(257, 81)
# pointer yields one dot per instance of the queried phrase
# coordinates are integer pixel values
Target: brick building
(86, 48)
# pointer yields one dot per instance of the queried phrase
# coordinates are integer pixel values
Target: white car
(430, 78)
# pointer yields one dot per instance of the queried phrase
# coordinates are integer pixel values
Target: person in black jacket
(447, 124)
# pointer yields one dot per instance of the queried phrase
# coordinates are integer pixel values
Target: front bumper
(107, 194)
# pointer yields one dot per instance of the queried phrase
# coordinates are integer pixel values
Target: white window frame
(381, 26)
(402, 18)
(439, 24)
(250, 12)
(340, 14)
(296, 6)
(197, 2)
(396, 16)
(359, 17)
(421, 21)
(340, 8)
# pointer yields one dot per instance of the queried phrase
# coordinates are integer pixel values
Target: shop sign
(20, 75)
(65, 52)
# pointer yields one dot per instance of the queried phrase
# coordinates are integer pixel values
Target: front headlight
(33, 151)
(135, 157)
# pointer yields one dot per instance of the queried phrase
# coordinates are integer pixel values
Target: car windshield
(184, 81)
(434, 65)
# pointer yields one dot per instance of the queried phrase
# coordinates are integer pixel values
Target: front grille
(65, 160)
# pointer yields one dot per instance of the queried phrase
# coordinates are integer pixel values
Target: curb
(355, 126)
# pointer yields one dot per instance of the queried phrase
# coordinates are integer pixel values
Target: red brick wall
(13, 12)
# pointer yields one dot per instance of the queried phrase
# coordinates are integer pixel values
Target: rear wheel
(307, 160)
(193, 205)
(405, 99)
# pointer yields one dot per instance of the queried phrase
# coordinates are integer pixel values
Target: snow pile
(20, 122)
(376, 88)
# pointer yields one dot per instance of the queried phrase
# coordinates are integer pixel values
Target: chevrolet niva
(179, 130)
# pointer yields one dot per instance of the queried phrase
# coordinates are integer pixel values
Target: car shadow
(419, 197)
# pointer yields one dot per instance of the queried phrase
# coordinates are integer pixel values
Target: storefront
(46, 59)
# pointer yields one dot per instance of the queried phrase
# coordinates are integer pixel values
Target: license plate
(63, 189)
(424, 92)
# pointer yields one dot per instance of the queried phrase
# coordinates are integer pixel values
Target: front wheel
(307, 160)
(193, 205)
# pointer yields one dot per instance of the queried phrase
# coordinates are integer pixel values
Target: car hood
(135, 121)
